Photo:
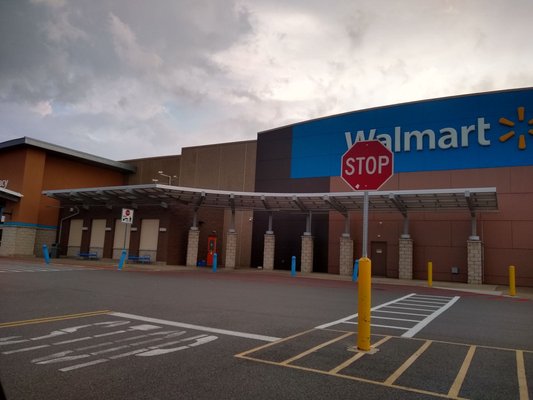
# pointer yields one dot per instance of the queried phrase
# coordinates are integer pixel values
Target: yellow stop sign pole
(365, 166)
(365, 288)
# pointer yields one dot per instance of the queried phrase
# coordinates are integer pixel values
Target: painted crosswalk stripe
(418, 327)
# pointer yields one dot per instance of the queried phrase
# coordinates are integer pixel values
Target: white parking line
(196, 327)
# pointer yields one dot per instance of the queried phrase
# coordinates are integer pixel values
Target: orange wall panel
(61, 173)
(28, 208)
(12, 168)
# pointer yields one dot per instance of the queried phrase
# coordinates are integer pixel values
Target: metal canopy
(10, 195)
(472, 200)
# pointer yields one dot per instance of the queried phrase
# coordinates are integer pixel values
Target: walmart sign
(475, 131)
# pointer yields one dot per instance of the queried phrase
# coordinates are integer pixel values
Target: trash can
(53, 251)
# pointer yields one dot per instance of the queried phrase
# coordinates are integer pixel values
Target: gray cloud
(127, 79)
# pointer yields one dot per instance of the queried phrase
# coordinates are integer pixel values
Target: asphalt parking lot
(88, 331)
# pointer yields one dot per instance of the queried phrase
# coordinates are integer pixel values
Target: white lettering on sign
(3, 183)
(445, 138)
(366, 165)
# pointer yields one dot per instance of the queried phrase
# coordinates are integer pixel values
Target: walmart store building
(461, 195)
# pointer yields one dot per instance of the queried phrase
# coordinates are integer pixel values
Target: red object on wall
(211, 249)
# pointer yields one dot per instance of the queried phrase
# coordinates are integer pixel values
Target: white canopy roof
(469, 199)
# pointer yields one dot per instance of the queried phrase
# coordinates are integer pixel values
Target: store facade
(465, 142)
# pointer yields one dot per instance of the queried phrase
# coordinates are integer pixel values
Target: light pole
(169, 177)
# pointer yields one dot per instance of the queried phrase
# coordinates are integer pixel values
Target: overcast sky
(128, 79)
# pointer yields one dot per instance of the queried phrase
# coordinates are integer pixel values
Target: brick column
(192, 247)
(346, 256)
(405, 268)
(268, 250)
(475, 261)
(307, 254)
(231, 250)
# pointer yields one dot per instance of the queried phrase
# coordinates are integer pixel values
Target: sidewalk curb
(107, 264)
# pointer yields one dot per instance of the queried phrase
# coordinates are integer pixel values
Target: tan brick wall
(307, 254)
(405, 258)
(192, 247)
(268, 251)
(475, 262)
(17, 241)
(346, 256)
(231, 250)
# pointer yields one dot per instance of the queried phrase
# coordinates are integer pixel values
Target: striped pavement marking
(349, 367)
(410, 313)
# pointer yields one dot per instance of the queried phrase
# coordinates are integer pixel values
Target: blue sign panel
(475, 131)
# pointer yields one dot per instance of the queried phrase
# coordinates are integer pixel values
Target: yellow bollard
(430, 273)
(364, 303)
(512, 287)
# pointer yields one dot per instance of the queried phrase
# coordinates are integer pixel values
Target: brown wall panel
(486, 177)
(424, 180)
(497, 234)
(436, 233)
(497, 263)
(512, 207)
(522, 235)
(443, 259)
(521, 180)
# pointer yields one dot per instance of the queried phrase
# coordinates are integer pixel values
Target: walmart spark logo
(511, 124)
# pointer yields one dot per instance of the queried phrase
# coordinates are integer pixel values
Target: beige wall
(227, 166)
(148, 169)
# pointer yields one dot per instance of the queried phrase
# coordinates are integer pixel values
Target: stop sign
(367, 165)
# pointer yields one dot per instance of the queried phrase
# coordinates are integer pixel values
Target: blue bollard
(293, 266)
(46, 254)
(122, 259)
(215, 262)
(355, 270)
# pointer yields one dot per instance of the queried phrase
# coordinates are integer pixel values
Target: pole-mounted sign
(367, 165)
(127, 215)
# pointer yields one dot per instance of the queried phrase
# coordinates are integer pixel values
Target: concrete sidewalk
(496, 290)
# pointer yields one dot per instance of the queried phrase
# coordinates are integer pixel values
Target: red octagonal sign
(367, 165)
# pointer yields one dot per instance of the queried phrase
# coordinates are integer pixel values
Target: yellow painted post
(364, 303)
(512, 287)
(430, 273)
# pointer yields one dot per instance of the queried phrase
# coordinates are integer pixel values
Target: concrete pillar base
(405, 267)
(475, 261)
(192, 247)
(307, 254)
(231, 250)
(268, 251)
(346, 256)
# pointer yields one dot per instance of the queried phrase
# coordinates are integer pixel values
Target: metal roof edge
(10, 194)
(286, 194)
(68, 152)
